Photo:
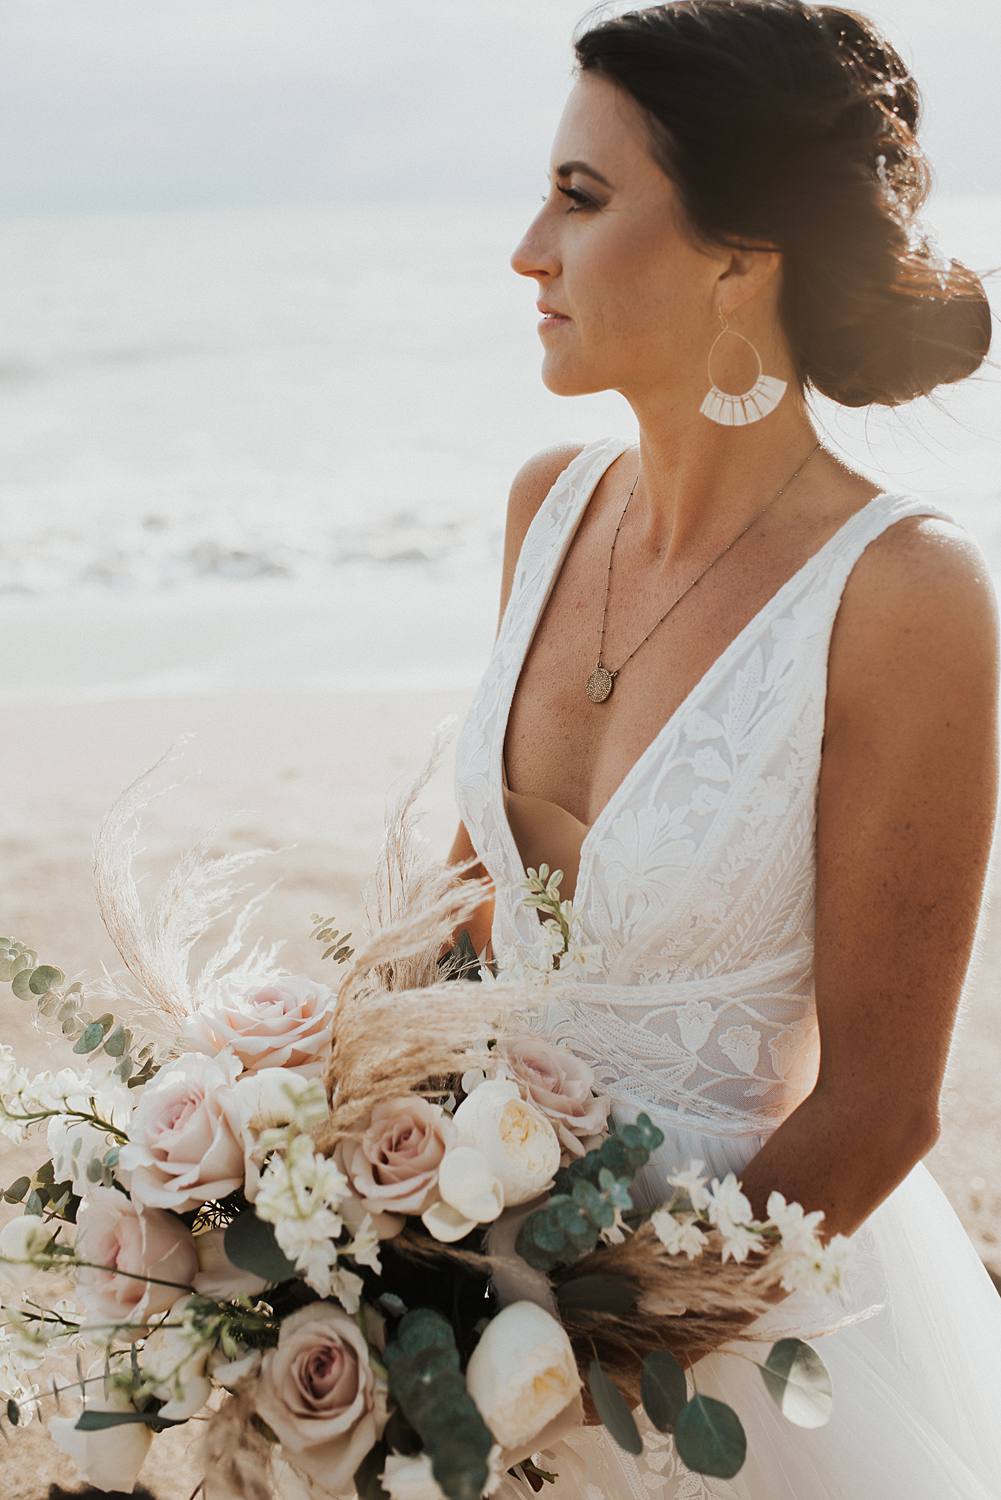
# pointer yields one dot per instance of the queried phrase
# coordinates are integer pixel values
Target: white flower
(173, 1364)
(111, 1457)
(364, 1248)
(269, 1107)
(520, 1145)
(24, 1243)
(470, 1194)
(410, 1478)
(523, 1377)
(300, 1194)
(738, 1240)
(678, 1234)
(728, 1207)
(691, 1181)
(822, 1268)
(75, 1144)
(798, 1231)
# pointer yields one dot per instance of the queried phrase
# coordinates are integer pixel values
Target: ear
(744, 274)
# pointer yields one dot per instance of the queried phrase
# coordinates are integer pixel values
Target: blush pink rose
(561, 1085)
(320, 1396)
(112, 1233)
(185, 1146)
(393, 1169)
(284, 1024)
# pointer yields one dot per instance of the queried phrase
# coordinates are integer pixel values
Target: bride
(747, 702)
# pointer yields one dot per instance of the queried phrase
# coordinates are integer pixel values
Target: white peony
(521, 1147)
(469, 1194)
(523, 1377)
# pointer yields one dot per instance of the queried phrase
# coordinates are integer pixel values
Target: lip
(550, 311)
(550, 317)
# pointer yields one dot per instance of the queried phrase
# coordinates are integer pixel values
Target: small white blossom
(738, 1240)
(728, 1208)
(364, 1248)
(300, 1193)
(174, 1363)
(798, 1231)
(678, 1234)
(693, 1183)
(820, 1269)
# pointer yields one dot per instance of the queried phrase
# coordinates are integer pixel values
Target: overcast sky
(146, 104)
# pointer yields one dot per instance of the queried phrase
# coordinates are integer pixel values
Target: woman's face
(613, 256)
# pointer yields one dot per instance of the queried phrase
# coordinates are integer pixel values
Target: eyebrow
(581, 166)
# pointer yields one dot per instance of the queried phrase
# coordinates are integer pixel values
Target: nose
(530, 256)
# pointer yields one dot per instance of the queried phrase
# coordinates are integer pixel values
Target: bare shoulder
(529, 487)
(919, 617)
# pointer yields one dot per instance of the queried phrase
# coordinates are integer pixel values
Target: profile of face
(611, 249)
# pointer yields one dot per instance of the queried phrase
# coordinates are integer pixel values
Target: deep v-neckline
(528, 628)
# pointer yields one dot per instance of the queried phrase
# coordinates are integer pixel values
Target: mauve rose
(283, 1024)
(393, 1169)
(561, 1085)
(111, 1232)
(320, 1396)
(185, 1147)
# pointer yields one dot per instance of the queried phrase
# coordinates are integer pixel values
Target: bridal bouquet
(374, 1237)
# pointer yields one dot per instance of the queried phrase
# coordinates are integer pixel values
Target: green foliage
(367, 1483)
(325, 932)
(425, 1380)
(613, 1409)
(663, 1389)
(40, 1193)
(40, 984)
(798, 1382)
(251, 1245)
(710, 1438)
(587, 1194)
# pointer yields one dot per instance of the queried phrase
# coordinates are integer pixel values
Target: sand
(319, 771)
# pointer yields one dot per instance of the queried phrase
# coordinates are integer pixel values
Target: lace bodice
(697, 878)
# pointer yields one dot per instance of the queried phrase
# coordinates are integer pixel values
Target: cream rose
(520, 1145)
(524, 1379)
(320, 1396)
(562, 1085)
(124, 1244)
(111, 1457)
(393, 1169)
(185, 1147)
(283, 1024)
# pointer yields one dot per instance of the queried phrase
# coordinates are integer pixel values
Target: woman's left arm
(906, 807)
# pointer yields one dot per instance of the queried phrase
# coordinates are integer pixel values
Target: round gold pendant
(599, 685)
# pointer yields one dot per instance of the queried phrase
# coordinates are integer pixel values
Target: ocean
(252, 446)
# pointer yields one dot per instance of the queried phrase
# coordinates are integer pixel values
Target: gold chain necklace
(602, 679)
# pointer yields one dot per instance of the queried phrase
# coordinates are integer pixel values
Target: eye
(580, 200)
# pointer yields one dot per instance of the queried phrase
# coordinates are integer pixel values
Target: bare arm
(906, 809)
(529, 488)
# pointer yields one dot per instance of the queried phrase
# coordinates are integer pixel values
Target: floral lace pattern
(697, 880)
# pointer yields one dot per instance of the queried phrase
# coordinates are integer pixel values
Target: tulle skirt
(916, 1386)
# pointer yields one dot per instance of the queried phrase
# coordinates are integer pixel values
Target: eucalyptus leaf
(663, 1389)
(13, 1412)
(90, 1039)
(710, 1438)
(114, 1045)
(367, 1483)
(798, 1382)
(251, 1245)
(98, 1421)
(17, 1189)
(45, 978)
(611, 1406)
(21, 985)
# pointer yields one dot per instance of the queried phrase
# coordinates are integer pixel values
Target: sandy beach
(318, 771)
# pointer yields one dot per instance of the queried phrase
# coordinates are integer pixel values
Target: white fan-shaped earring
(731, 410)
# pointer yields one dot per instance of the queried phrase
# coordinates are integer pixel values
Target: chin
(569, 382)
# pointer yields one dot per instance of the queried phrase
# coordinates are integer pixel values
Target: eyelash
(578, 198)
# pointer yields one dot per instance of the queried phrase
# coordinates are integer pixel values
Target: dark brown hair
(795, 126)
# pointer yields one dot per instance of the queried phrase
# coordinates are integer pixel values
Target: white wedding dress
(698, 880)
